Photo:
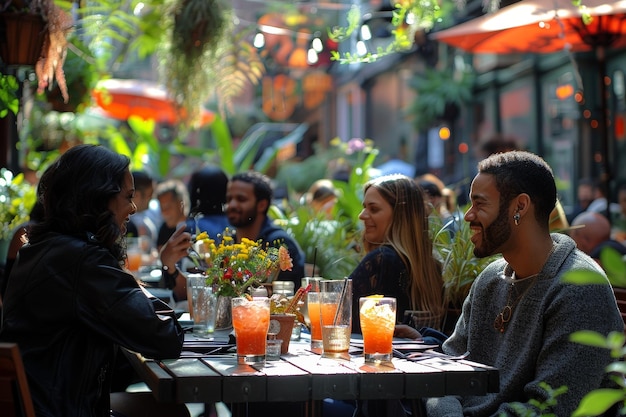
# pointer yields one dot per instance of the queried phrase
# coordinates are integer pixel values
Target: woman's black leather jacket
(69, 306)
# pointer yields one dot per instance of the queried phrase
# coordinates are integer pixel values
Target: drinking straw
(341, 300)
(314, 258)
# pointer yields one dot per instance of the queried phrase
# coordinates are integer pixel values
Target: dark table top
(207, 372)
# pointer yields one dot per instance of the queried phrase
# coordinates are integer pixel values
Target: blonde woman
(399, 258)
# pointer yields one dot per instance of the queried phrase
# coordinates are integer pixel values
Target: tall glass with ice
(251, 320)
(336, 316)
(312, 311)
(378, 321)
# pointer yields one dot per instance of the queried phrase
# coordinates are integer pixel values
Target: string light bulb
(361, 48)
(312, 57)
(317, 45)
(259, 40)
(366, 33)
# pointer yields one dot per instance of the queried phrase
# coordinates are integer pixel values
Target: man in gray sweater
(518, 316)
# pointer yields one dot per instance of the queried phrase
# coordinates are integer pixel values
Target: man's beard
(244, 219)
(495, 235)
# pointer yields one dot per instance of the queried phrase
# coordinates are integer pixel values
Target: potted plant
(196, 31)
(36, 35)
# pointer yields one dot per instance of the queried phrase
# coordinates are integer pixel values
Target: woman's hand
(407, 332)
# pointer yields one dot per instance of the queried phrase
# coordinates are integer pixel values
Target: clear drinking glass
(251, 320)
(203, 305)
(312, 301)
(378, 321)
(134, 254)
(313, 307)
(336, 316)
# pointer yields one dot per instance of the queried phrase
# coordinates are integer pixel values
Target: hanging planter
(23, 40)
(197, 29)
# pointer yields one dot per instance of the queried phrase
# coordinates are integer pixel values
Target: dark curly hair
(76, 190)
(262, 185)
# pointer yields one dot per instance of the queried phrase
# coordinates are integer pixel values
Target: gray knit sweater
(534, 346)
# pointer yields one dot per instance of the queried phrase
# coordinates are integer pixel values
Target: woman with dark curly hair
(69, 302)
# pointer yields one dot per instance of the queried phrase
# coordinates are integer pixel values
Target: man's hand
(406, 332)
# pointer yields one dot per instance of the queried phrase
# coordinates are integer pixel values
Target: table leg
(313, 408)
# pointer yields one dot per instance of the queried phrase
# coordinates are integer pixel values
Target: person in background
(585, 193)
(174, 203)
(619, 220)
(519, 314)
(207, 193)
(68, 296)
(143, 222)
(321, 197)
(592, 233)
(248, 199)
(399, 259)
(600, 201)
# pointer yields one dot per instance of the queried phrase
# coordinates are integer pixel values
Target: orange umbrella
(545, 26)
(541, 26)
(121, 99)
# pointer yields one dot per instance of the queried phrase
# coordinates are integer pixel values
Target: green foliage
(238, 64)
(199, 53)
(17, 198)
(114, 28)
(330, 244)
(195, 31)
(456, 252)
(539, 408)
(147, 152)
(408, 18)
(81, 75)
(435, 90)
(600, 400)
(8, 95)
(339, 33)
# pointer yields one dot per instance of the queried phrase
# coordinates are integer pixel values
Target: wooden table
(303, 376)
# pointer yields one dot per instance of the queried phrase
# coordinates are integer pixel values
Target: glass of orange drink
(313, 307)
(251, 320)
(336, 316)
(378, 321)
(133, 254)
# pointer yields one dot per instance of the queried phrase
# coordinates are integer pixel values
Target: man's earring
(516, 218)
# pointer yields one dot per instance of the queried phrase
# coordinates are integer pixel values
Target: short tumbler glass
(336, 315)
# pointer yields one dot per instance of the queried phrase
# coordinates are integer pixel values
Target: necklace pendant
(498, 323)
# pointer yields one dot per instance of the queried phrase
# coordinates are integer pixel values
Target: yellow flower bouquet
(234, 267)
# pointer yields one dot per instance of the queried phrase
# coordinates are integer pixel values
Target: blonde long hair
(408, 234)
